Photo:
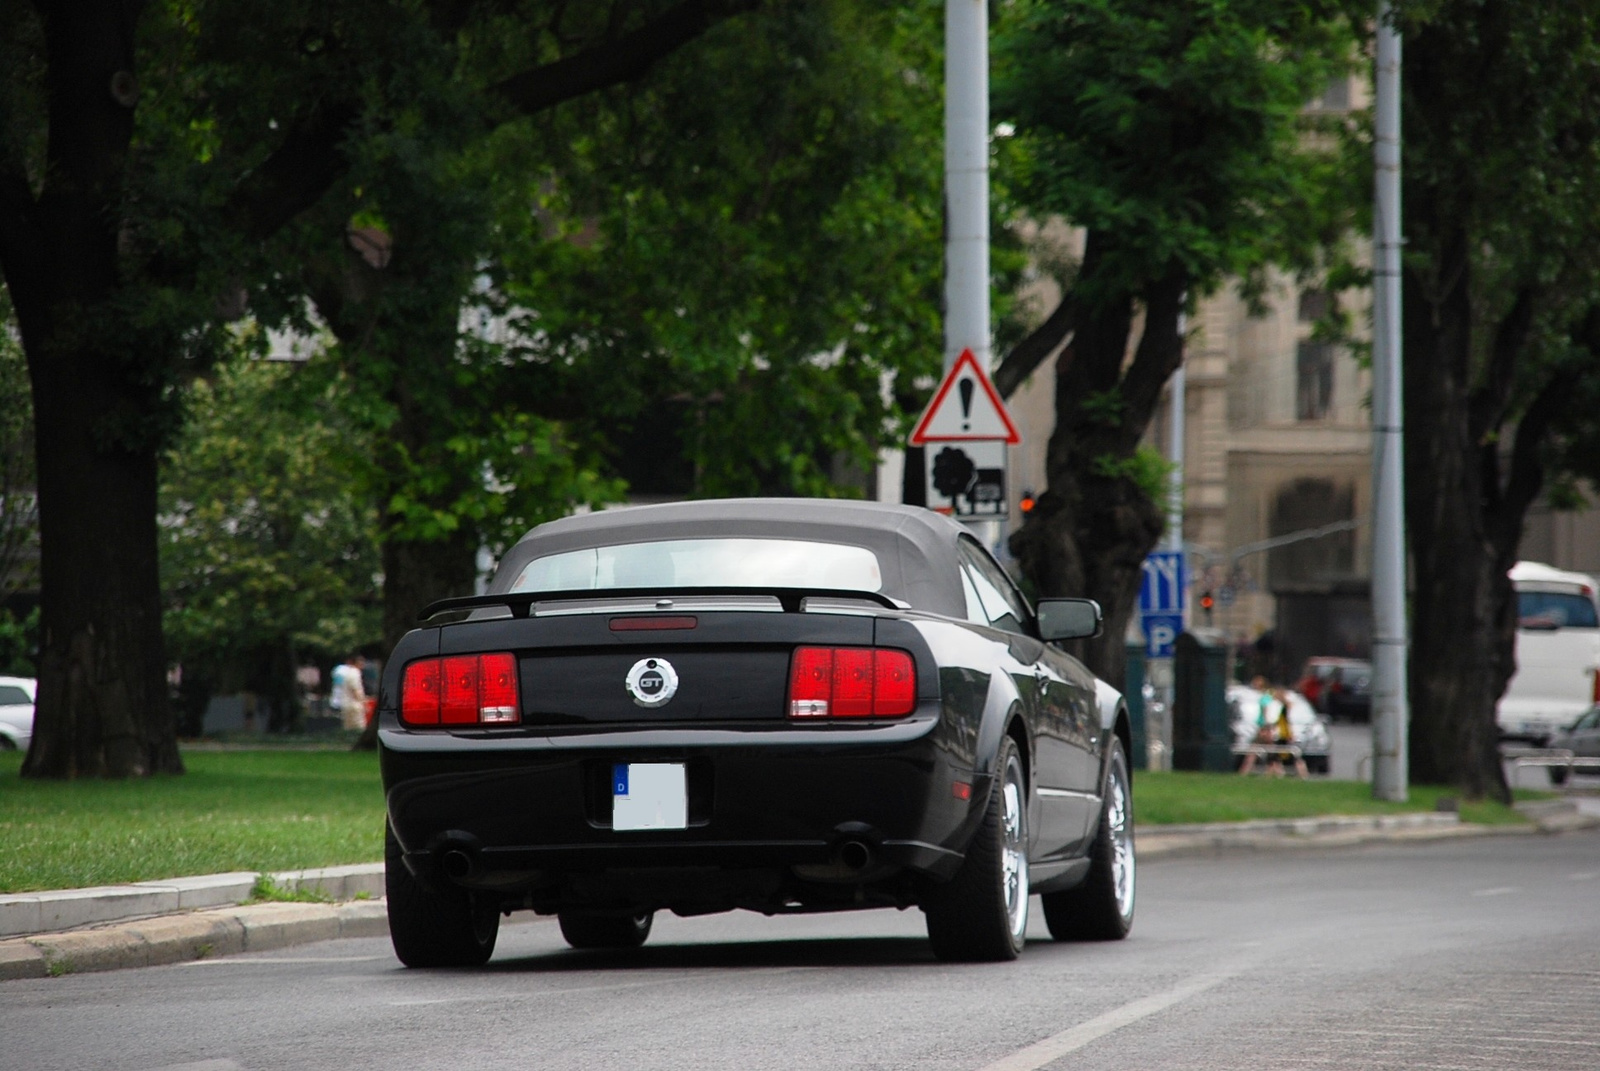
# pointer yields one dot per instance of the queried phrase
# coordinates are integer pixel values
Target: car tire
(1558, 775)
(445, 927)
(1101, 907)
(605, 931)
(1317, 764)
(982, 913)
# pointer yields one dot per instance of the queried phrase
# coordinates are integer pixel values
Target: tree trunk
(102, 709)
(1463, 624)
(1093, 526)
(102, 704)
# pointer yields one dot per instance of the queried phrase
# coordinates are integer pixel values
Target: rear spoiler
(520, 603)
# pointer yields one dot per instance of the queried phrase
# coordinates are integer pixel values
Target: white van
(1558, 653)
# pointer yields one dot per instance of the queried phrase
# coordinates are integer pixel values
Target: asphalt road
(1481, 953)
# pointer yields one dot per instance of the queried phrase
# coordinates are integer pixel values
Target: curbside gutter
(182, 919)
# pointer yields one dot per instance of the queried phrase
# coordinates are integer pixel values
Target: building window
(1313, 306)
(1313, 380)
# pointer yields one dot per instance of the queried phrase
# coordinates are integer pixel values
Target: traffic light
(1027, 503)
(1207, 603)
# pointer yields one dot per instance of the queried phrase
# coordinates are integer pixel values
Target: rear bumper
(765, 819)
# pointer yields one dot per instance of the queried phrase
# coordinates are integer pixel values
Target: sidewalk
(155, 922)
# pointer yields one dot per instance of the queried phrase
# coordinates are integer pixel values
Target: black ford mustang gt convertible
(781, 705)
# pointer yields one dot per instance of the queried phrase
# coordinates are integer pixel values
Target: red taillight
(497, 689)
(1595, 695)
(851, 682)
(461, 690)
(894, 685)
(810, 682)
(419, 693)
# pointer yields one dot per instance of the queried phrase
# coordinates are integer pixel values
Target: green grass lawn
(1163, 798)
(287, 810)
(233, 810)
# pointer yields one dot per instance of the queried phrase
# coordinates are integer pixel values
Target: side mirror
(1068, 619)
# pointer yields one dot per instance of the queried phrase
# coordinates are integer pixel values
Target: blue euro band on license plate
(649, 795)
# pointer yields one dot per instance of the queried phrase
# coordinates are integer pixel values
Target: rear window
(11, 694)
(1555, 609)
(696, 563)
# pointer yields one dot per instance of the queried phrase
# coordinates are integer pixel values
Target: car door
(1584, 739)
(1065, 718)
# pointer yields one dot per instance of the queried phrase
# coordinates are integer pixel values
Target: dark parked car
(781, 705)
(1338, 687)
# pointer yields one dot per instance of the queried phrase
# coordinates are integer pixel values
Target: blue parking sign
(1160, 633)
(1162, 588)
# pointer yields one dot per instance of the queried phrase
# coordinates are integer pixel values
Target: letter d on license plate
(649, 795)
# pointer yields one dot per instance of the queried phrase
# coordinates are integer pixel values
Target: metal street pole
(1390, 706)
(966, 180)
(966, 191)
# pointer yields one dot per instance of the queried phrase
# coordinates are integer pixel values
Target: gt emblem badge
(652, 682)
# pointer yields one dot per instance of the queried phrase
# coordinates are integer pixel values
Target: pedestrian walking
(348, 697)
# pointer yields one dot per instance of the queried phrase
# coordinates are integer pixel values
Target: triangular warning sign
(965, 408)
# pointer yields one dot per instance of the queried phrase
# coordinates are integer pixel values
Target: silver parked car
(1582, 738)
(16, 712)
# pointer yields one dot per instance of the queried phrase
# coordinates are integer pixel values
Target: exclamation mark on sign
(965, 386)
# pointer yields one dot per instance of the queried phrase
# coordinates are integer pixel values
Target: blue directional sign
(1160, 633)
(1162, 589)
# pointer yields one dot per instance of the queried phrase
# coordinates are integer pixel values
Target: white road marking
(408, 1002)
(295, 960)
(1584, 875)
(204, 1065)
(1502, 890)
(1074, 1038)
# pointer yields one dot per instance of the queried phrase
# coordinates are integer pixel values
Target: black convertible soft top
(915, 547)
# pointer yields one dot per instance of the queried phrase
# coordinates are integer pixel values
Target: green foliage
(19, 644)
(269, 554)
(768, 259)
(19, 509)
(1178, 129)
(1146, 468)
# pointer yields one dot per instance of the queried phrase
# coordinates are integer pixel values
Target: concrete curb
(48, 912)
(182, 938)
(183, 919)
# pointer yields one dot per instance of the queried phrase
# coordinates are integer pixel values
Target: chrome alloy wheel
(1014, 851)
(1121, 829)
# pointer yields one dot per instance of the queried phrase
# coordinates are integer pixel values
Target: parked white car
(1558, 653)
(1309, 729)
(16, 712)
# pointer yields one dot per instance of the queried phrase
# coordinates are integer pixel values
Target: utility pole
(1390, 706)
(966, 180)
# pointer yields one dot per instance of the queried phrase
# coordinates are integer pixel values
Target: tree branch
(297, 173)
(312, 157)
(1031, 352)
(625, 59)
(1158, 354)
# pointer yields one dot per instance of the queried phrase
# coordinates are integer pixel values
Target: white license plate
(649, 795)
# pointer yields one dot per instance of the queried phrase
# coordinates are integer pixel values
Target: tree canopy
(1177, 136)
(381, 169)
(1501, 173)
